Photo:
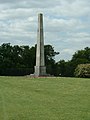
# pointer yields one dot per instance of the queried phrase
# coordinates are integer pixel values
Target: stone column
(40, 69)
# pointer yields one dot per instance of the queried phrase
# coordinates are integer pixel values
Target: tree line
(20, 60)
(67, 69)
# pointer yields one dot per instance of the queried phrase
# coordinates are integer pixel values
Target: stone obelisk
(40, 69)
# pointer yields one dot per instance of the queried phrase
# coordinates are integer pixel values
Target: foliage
(82, 55)
(20, 60)
(82, 70)
(65, 69)
(49, 59)
(68, 68)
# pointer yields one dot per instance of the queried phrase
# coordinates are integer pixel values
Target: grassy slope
(23, 98)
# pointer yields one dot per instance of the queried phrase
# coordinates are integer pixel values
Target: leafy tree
(82, 55)
(64, 68)
(49, 59)
(79, 57)
(61, 65)
(6, 55)
(20, 60)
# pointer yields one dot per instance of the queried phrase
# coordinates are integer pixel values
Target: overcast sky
(66, 24)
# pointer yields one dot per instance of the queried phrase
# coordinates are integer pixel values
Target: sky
(66, 24)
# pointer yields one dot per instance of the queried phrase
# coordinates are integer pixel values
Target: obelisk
(40, 69)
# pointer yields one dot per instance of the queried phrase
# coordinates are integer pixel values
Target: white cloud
(66, 23)
(75, 8)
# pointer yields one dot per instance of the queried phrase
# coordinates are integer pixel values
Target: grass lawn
(24, 98)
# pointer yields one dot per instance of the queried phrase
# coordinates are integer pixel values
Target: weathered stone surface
(40, 69)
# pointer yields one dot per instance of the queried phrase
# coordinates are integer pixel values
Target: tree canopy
(79, 57)
(20, 60)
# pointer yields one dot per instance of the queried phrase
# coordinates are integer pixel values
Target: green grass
(24, 98)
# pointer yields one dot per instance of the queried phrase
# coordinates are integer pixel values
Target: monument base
(40, 71)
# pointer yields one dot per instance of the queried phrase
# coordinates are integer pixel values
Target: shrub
(82, 70)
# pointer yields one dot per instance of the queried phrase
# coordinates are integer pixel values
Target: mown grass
(24, 98)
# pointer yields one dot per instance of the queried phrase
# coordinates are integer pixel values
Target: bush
(83, 70)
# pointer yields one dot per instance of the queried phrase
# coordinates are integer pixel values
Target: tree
(20, 60)
(82, 55)
(79, 57)
(6, 55)
(61, 65)
(49, 59)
